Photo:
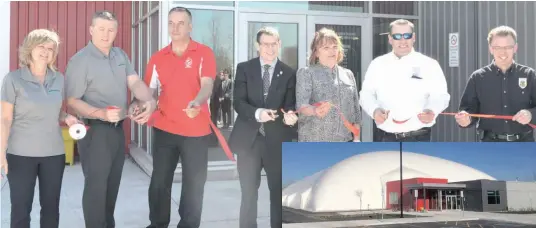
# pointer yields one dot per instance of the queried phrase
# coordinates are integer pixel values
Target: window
(215, 28)
(155, 35)
(135, 62)
(333, 6)
(494, 197)
(136, 11)
(393, 197)
(208, 3)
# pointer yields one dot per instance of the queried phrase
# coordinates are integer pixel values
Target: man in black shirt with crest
(503, 87)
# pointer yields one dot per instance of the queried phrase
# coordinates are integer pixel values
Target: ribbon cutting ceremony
(191, 92)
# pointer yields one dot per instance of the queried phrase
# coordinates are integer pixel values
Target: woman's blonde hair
(34, 39)
(322, 37)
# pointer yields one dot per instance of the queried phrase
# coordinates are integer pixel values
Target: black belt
(506, 137)
(408, 134)
(119, 124)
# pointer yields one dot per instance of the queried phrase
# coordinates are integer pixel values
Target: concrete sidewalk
(220, 209)
(443, 216)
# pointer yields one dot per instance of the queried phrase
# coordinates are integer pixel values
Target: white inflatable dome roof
(338, 188)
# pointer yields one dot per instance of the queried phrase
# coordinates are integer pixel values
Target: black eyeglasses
(398, 36)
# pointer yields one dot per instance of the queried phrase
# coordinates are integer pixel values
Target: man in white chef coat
(404, 90)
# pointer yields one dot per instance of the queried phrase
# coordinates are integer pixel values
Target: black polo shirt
(490, 91)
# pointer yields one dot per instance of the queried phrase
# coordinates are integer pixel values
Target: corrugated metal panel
(71, 20)
(395, 7)
(438, 19)
(472, 20)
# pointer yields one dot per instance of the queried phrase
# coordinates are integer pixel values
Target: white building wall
(521, 195)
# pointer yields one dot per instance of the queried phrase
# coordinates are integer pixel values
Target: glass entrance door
(354, 33)
(291, 31)
(452, 203)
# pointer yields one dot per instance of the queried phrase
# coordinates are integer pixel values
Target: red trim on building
(71, 21)
(407, 196)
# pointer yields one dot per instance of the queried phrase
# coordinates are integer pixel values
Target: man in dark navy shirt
(502, 88)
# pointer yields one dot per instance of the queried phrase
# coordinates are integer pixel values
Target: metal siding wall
(472, 20)
(500, 186)
(438, 19)
(519, 16)
(71, 21)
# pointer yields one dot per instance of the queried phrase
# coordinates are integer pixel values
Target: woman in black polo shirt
(32, 143)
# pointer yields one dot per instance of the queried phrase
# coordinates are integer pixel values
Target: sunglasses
(398, 36)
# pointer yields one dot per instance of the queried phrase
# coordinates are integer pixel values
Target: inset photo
(349, 184)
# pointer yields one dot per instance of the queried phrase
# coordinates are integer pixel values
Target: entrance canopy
(436, 186)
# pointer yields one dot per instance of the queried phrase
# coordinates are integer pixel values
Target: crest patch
(522, 83)
(188, 63)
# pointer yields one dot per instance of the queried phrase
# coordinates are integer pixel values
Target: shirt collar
(192, 46)
(411, 53)
(330, 70)
(496, 69)
(27, 75)
(96, 52)
(272, 64)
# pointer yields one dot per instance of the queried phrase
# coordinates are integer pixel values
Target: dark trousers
(102, 153)
(528, 137)
(421, 137)
(215, 106)
(22, 173)
(262, 155)
(226, 111)
(193, 153)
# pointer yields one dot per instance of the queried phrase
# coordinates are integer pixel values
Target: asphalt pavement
(455, 224)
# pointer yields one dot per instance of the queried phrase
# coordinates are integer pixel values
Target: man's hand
(133, 110)
(268, 115)
(523, 117)
(144, 112)
(380, 116)
(71, 120)
(290, 118)
(193, 109)
(112, 114)
(463, 119)
(322, 110)
(427, 116)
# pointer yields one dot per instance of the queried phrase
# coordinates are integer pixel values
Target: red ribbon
(221, 139)
(352, 128)
(487, 116)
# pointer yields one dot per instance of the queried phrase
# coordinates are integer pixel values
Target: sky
(504, 161)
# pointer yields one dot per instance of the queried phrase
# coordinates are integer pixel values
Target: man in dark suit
(215, 106)
(215, 103)
(225, 99)
(263, 86)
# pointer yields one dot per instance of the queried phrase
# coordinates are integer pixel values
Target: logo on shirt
(522, 83)
(416, 72)
(188, 63)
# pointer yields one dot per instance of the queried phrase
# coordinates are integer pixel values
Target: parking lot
(454, 224)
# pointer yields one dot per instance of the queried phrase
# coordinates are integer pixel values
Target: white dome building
(339, 187)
